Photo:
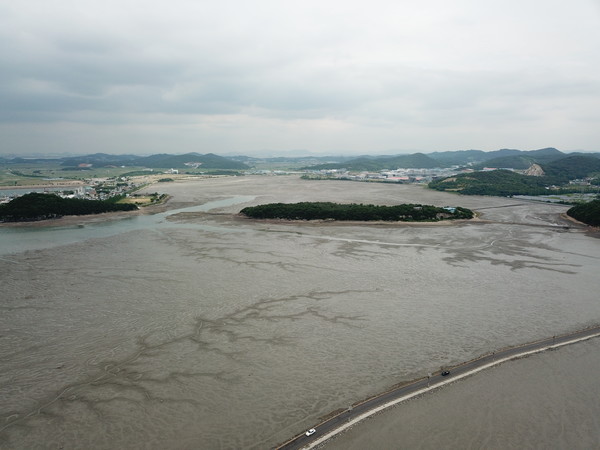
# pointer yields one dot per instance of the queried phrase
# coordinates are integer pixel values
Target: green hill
(503, 158)
(523, 160)
(159, 161)
(458, 158)
(414, 161)
(572, 167)
(504, 182)
(496, 182)
(99, 160)
(518, 162)
(587, 213)
(208, 161)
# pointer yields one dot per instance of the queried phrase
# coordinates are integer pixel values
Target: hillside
(503, 158)
(505, 182)
(478, 159)
(496, 182)
(572, 167)
(159, 161)
(99, 159)
(458, 157)
(523, 160)
(414, 161)
(587, 213)
(208, 161)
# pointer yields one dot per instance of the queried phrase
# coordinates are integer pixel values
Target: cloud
(331, 74)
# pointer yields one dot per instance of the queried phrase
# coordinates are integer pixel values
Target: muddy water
(203, 330)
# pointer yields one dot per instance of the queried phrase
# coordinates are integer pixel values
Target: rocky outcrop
(535, 171)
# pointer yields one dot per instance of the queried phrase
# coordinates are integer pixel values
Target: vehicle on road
(445, 373)
(310, 432)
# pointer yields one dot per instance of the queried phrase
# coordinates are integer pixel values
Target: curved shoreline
(337, 423)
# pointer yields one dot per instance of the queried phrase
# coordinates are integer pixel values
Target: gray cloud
(317, 75)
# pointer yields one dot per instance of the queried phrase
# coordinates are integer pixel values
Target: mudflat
(548, 400)
(194, 327)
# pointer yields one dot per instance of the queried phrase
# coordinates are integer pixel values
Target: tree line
(36, 206)
(353, 211)
(587, 212)
(503, 183)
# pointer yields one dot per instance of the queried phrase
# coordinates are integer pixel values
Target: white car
(310, 432)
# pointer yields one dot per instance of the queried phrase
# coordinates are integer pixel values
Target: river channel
(196, 328)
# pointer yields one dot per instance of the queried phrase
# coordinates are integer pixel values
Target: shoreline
(66, 221)
(338, 421)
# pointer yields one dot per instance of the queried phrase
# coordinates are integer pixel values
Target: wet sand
(205, 330)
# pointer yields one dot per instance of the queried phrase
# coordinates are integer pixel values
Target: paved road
(326, 429)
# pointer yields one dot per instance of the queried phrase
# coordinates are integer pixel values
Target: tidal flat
(548, 400)
(197, 328)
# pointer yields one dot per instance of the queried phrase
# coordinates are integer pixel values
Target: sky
(279, 77)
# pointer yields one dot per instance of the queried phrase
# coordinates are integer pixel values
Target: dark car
(445, 373)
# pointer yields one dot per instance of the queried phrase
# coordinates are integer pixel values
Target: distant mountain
(548, 152)
(503, 158)
(166, 161)
(290, 159)
(99, 159)
(459, 157)
(594, 154)
(207, 161)
(471, 157)
(506, 158)
(414, 161)
(522, 160)
(518, 162)
(19, 160)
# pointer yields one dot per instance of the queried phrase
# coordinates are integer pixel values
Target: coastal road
(345, 419)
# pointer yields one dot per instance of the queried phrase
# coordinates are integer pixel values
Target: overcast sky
(274, 77)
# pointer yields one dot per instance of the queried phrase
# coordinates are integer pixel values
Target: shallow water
(203, 330)
(19, 239)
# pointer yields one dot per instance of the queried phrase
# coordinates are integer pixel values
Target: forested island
(357, 212)
(36, 206)
(587, 213)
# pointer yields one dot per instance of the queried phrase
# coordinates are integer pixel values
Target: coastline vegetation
(505, 183)
(587, 212)
(356, 212)
(36, 206)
